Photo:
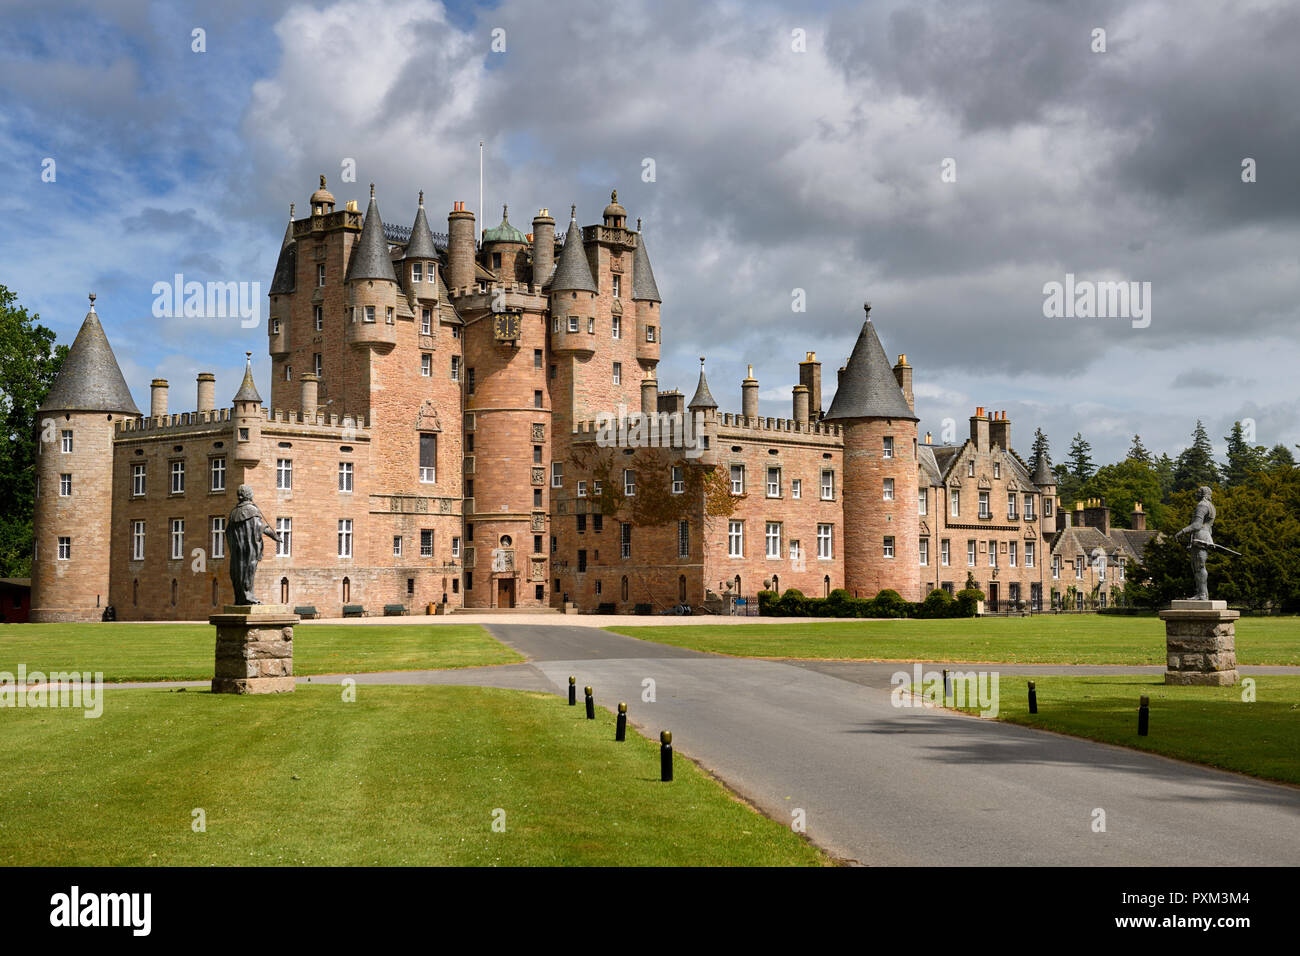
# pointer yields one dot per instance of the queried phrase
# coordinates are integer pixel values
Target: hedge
(939, 603)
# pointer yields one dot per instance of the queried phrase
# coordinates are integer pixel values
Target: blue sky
(776, 169)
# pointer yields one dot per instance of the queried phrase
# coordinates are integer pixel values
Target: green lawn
(139, 652)
(1209, 725)
(401, 776)
(1047, 639)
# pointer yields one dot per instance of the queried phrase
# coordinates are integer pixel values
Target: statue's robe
(244, 531)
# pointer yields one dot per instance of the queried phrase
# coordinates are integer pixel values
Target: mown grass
(131, 651)
(1045, 639)
(400, 776)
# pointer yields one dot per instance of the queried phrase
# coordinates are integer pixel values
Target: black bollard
(573, 691)
(666, 756)
(1144, 715)
(947, 688)
(591, 704)
(1033, 699)
(620, 728)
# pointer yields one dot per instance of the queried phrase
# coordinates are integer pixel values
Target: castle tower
(879, 485)
(703, 404)
(283, 284)
(74, 474)
(645, 299)
(1045, 482)
(420, 260)
(573, 312)
(543, 247)
(461, 245)
(504, 251)
(247, 416)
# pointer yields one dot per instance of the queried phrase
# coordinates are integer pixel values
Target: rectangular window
(318, 364)
(1029, 507)
(284, 528)
(178, 477)
(679, 480)
(320, 275)
(65, 438)
(582, 560)
(629, 482)
(426, 321)
(417, 272)
(889, 546)
(537, 399)
(137, 540)
(582, 523)
(825, 541)
(573, 323)
(1078, 566)
(618, 285)
(284, 474)
(426, 364)
(922, 501)
(924, 550)
(956, 504)
(888, 451)
(970, 553)
(1011, 505)
(828, 485)
(1029, 554)
(625, 539)
(945, 552)
(537, 358)
(137, 480)
(469, 381)
(1012, 553)
(537, 454)
(616, 326)
(597, 522)
(537, 497)
(217, 475)
(889, 489)
(557, 474)
(370, 313)
(984, 505)
(737, 479)
(455, 368)
(736, 539)
(428, 458)
(796, 488)
(397, 545)
(649, 333)
(65, 548)
(773, 539)
(345, 537)
(1056, 566)
(774, 482)
(997, 469)
(319, 317)
(426, 542)
(455, 547)
(582, 489)
(1047, 507)
(618, 373)
(178, 538)
(683, 539)
(218, 536)
(993, 554)
(345, 476)
(388, 315)
(65, 486)
(970, 468)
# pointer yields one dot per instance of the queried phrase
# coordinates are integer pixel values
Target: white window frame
(618, 373)
(629, 482)
(888, 446)
(888, 490)
(217, 537)
(137, 540)
(923, 550)
(65, 485)
(954, 503)
(284, 528)
(217, 474)
(177, 538)
(828, 484)
(773, 481)
(284, 474)
(345, 538)
(825, 542)
(65, 441)
(737, 479)
(178, 478)
(345, 477)
(887, 547)
(796, 488)
(1013, 553)
(557, 474)
(139, 478)
(426, 364)
(735, 539)
(678, 475)
(772, 536)
(65, 547)
(972, 553)
(616, 326)
(945, 552)
(922, 501)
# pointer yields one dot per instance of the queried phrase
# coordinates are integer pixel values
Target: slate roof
(286, 267)
(703, 398)
(925, 456)
(868, 389)
(572, 272)
(644, 288)
(247, 390)
(90, 379)
(370, 258)
(1043, 472)
(420, 245)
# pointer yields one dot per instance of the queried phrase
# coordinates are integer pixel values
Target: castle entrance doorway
(505, 592)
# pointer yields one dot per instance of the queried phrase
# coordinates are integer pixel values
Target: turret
(543, 247)
(645, 296)
(460, 248)
(503, 246)
(650, 395)
(420, 258)
(247, 416)
(1045, 482)
(878, 489)
(371, 286)
(703, 407)
(283, 283)
(800, 404)
(749, 396)
(74, 479)
(573, 295)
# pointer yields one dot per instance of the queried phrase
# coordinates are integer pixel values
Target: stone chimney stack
(310, 387)
(749, 395)
(810, 376)
(543, 246)
(461, 247)
(979, 429)
(158, 397)
(1096, 515)
(207, 389)
(1000, 431)
(903, 375)
(1138, 519)
(649, 395)
(801, 404)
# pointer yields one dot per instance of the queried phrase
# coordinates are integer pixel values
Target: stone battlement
(182, 423)
(769, 424)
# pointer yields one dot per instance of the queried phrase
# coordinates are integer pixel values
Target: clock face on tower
(505, 327)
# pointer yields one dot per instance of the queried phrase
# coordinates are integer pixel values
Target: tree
(1138, 451)
(1279, 458)
(1080, 459)
(1040, 450)
(1195, 465)
(1243, 459)
(1124, 484)
(31, 362)
(1164, 469)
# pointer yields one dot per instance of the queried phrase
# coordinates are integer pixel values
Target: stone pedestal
(254, 649)
(1200, 643)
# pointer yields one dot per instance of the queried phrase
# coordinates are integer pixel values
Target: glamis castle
(431, 439)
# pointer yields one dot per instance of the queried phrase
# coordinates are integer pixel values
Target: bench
(643, 609)
(605, 608)
(354, 610)
(394, 610)
(306, 610)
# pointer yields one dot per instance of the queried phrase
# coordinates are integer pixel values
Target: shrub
(888, 603)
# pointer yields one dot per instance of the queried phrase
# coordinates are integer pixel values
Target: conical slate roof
(703, 398)
(370, 259)
(247, 390)
(643, 278)
(90, 379)
(572, 271)
(286, 267)
(420, 245)
(1043, 472)
(868, 388)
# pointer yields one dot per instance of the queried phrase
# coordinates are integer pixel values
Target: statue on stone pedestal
(244, 531)
(1201, 542)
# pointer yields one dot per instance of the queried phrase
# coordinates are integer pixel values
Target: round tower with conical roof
(371, 286)
(878, 488)
(645, 299)
(74, 479)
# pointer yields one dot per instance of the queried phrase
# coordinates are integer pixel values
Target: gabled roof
(90, 379)
(420, 245)
(929, 464)
(703, 398)
(868, 389)
(643, 277)
(572, 272)
(286, 267)
(370, 259)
